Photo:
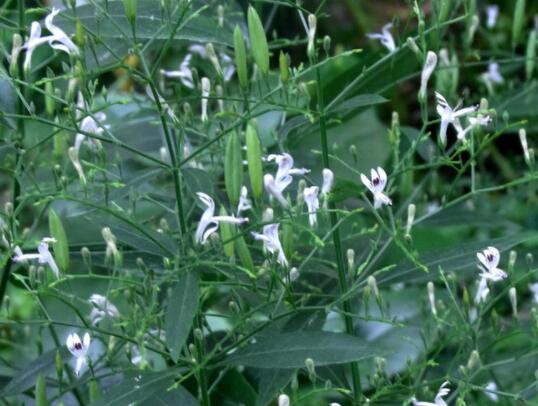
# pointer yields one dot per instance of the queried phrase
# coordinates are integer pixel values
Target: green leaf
(289, 350)
(179, 396)
(258, 41)
(354, 103)
(270, 382)
(27, 376)
(181, 311)
(7, 101)
(61, 246)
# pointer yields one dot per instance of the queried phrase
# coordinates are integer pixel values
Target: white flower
(439, 401)
(59, 39)
(271, 242)
(79, 349)
(184, 74)
(474, 122)
(206, 89)
(534, 290)
(311, 34)
(228, 66)
(43, 255)
(328, 182)
(489, 259)
(490, 390)
(449, 115)
(492, 76)
(209, 223)
(312, 203)
(431, 297)
(386, 37)
(283, 400)
(427, 70)
(482, 291)
(244, 201)
(376, 186)
(34, 40)
(89, 125)
(101, 309)
(284, 176)
(492, 11)
(73, 156)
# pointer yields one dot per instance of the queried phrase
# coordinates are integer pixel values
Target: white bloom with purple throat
(438, 401)
(209, 223)
(385, 37)
(376, 185)
(489, 260)
(43, 255)
(79, 349)
(271, 242)
(312, 203)
(449, 115)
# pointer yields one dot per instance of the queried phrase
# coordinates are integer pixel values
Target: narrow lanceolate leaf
(254, 160)
(233, 169)
(244, 253)
(181, 311)
(61, 246)
(289, 350)
(258, 41)
(240, 57)
(226, 234)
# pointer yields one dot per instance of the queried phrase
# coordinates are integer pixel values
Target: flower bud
(258, 41)
(518, 22)
(350, 253)
(412, 45)
(254, 160)
(198, 334)
(475, 21)
(473, 361)
(294, 274)
(310, 367)
(524, 145)
(372, 283)
(427, 70)
(267, 216)
(530, 60)
(240, 58)
(284, 68)
(233, 307)
(220, 13)
(311, 34)
(86, 257)
(327, 44)
(73, 156)
(431, 297)
(512, 294)
(512, 261)
(283, 400)
(530, 259)
(220, 101)
(233, 168)
(8, 208)
(206, 89)
(411, 210)
(14, 57)
(212, 55)
(130, 11)
(41, 391)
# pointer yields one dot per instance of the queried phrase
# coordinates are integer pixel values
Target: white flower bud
(310, 367)
(431, 297)
(220, 12)
(350, 258)
(524, 145)
(206, 89)
(513, 300)
(411, 210)
(294, 274)
(372, 283)
(220, 94)
(283, 400)
(312, 24)
(212, 55)
(427, 70)
(474, 359)
(267, 215)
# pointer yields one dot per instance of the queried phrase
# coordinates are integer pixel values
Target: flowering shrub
(197, 209)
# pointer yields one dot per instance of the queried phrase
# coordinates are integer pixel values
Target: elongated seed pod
(240, 58)
(258, 41)
(254, 160)
(233, 169)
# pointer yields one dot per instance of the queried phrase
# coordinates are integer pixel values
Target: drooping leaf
(181, 311)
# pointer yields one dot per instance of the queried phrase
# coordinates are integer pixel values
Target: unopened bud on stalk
(220, 13)
(372, 283)
(473, 361)
(141, 264)
(8, 208)
(111, 248)
(312, 25)
(353, 151)
(284, 68)
(267, 216)
(310, 367)
(412, 44)
(212, 55)
(301, 186)
(294, 274)
(130, 11)
(86, 257)
(524, 145)
(512, 261)
(206, 89)
(283, 400)
(198, 334)
(258, 41)
(475, 21)
(163, 152)
(411, 210)
(220, 94)
(431, 297)
(327, 44)
(16, 47)
(512, 294)
(350, 253)
(240, 58)
(73, 155)
(484, 104)
(530, 259)
(233, 306)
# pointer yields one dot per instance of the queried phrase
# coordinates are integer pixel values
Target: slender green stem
(342, 278)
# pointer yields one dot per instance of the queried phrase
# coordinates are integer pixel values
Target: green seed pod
(61, 246)
(244, 254)
(15, 51)
(94, 390)
(444, 9)
(258, 41)
(79, 34)
(59, 366)
(226, 234)
(240, 58)
(233, 169)
(518, 22)
(130, 11)
(59, 144)
(41, 391)
(284, 68)
(50, 105)
(530, 61)
(254, 160)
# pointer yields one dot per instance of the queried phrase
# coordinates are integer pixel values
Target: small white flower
(427, 70)
(73, 156)
(311, 33)
(438, 401)
(482, 291)
(209, 223)
(449, 115)
(283, 400)
(59, 39)
(79, 349)
(206, 89)
(284, 176)
(198, 49)
(312, 203)
(43, 255)
(523, 139)
(376, 185)
(478, 121)
(184, 74)
(244, 201)
(102, 308)
(489, 259)
(492, 12)
(34, 40)
(534, 290)
(89, 125)
(431, 297)
(385, 37)
(492, 76)
(490, 390)
(271, 242)
(326, 188)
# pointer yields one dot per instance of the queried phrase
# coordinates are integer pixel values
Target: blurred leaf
(61, 246)
(26, 377)
(289, 350)
(179, 397)
(181, 311)
(7, 100)
(270, 383)
(353, 103)
(234, 389)
(198, 180)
